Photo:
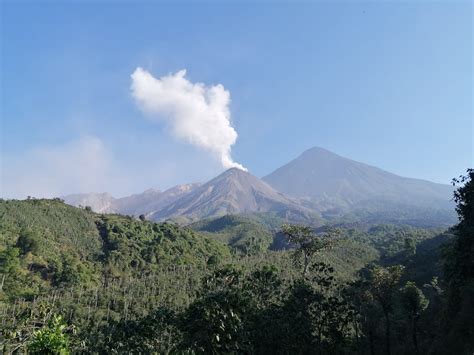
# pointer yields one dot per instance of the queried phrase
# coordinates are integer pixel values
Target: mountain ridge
(314, 184)
(142, 203)
(232, 192)
(322, 176)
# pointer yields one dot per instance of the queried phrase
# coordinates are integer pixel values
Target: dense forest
(74, 281)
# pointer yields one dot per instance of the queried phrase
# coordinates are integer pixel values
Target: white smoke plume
(195, 113)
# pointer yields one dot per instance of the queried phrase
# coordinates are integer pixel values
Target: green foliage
(307, 243)
(9, 261)
(410, 246)
(258, 313)
(51, 339)
(459, 270)
(413, 300)
(46, 232)
(414, 303)
(9, 266)
(56, 226)
(214, 324)
(383, 283)
(132, 246)
(242, 234)
(156, 332)
(28, 242)
(133, 286)
(63, 245)
(460, 261)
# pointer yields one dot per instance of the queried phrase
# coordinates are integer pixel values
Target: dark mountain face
(233, 192)
(329, 180)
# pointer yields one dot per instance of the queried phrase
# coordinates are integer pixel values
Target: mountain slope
(319, 182)
(329, 180)
(145, 203)
(151, 200)
(232, 192)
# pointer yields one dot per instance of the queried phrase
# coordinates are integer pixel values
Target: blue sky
(385, 83)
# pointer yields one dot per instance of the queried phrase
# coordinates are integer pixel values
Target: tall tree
(384, 284)
(307, 242)
(414, 302)
(459, 270)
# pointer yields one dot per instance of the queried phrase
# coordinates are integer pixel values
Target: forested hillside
(76, 281)
(52, 244)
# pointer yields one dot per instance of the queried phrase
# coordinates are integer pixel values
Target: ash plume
(194, 112)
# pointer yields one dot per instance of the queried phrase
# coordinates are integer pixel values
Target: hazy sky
(386, 83)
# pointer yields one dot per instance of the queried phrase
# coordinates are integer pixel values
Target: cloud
(195, 113)
(82, 165)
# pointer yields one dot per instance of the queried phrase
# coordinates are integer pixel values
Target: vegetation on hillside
(75, 281)
(242, 234)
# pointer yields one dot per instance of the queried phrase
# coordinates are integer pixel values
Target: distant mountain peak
(232, 192)
(322, 176)
(317, 149)
(319, 152)
(317, 182)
